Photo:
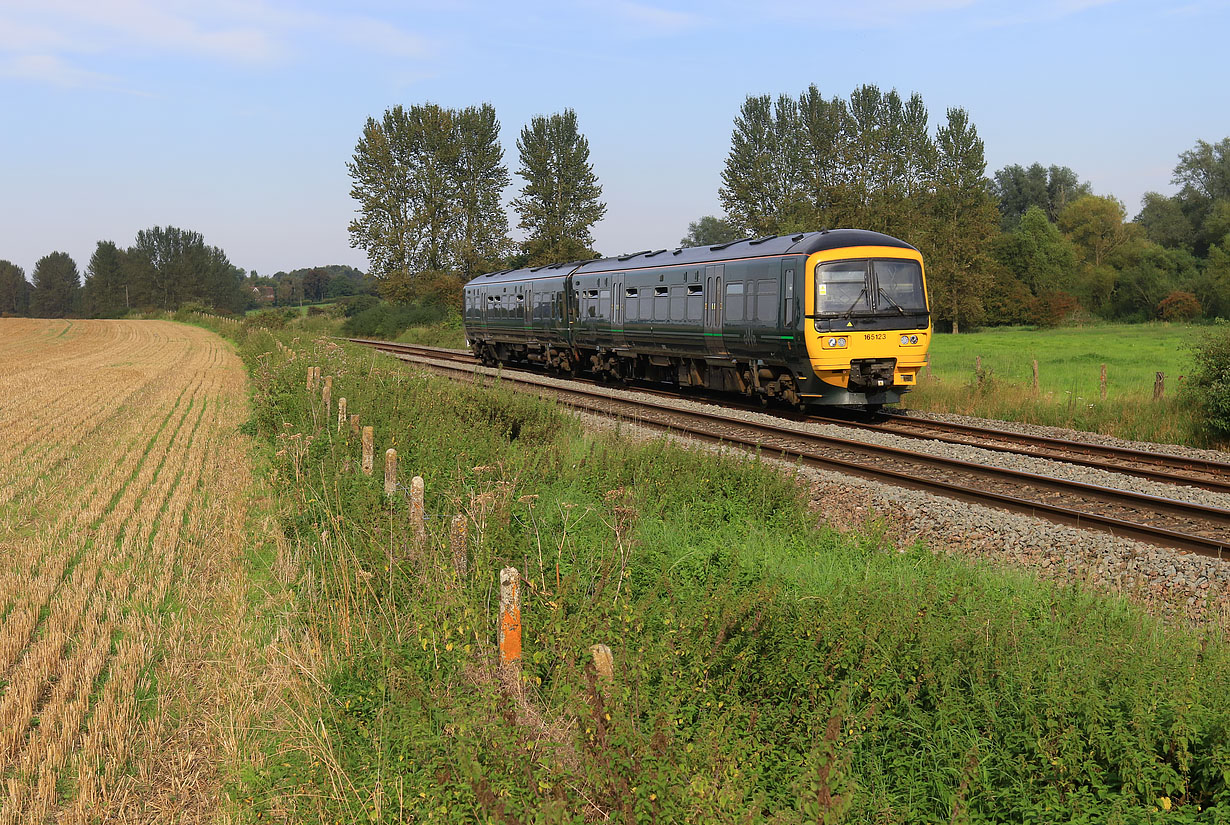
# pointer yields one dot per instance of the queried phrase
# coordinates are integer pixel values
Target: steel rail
(571, 396)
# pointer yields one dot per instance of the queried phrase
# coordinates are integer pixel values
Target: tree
(559, 203)
(1038, 254)
(1204, 171)
(14, 290)
(482, 237)
(103, 295)
(1104, 244)
(757, 190)
(1017, 188)
(56, 284)
(1164, 222)
(965, 220)
(710, 230)
(428, 181)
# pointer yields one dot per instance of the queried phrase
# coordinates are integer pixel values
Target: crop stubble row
(116, 458)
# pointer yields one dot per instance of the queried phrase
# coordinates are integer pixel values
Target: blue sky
(236, 119)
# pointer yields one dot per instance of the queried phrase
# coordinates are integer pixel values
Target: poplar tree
(756, 191)
(56, 283)
(482, 236)
(559, 203)
(965, 222)
(103, 295)
(14, 290)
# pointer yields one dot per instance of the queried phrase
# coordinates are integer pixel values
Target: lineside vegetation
(766, 669)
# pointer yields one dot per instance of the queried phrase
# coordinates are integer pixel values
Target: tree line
(165, 268)
(1027, 245)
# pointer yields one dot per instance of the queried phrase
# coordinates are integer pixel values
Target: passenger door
(714, 296)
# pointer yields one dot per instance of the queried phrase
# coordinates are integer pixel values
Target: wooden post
(510, 619)
(1159, 386)
(326, 397)
(604, 662)
(418, 521)
(354, 424)
(341, 413)
(457, 536)
(369, 446)
(978, 364)
(311, 378)
(390, 472)
(1103, 385)
(1035, 375)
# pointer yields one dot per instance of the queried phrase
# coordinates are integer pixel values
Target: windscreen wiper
(891, 301)
(848, 312)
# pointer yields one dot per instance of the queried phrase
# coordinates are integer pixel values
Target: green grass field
(1069, 370)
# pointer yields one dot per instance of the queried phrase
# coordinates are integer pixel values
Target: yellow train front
(835, 317)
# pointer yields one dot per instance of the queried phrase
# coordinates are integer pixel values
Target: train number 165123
(875, 336)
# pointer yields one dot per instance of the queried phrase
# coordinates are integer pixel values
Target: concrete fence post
(326, 397)
(458, 535)
(341, 413)
(418, 518)
(369, 446)
(604, 662)
(311, 378)
(1102, 386)
(354, 424)
(510, 620)
(390, 472)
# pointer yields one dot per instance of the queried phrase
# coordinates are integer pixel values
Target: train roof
(803, 243)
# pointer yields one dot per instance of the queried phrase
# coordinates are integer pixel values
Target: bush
(1209, 385)
(359, 303)
(1179, 306)
(387, 321)
(1053, 309)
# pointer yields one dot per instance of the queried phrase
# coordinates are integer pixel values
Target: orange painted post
(418, 517)
(369, 447)
(457, 539)
(510, 619)
(390, 472)
(341, 413)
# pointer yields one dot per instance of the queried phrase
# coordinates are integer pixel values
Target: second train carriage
(837, 317)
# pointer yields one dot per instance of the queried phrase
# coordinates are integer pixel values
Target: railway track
(1155, 519)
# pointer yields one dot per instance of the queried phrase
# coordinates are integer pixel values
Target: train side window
(661, 303)
(679, 308)
(766, 303)
(604, 304)
(696, 302)
(734, 303)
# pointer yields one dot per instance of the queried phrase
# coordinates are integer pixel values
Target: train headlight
(835, 342)
(909, 340)
(841, 342)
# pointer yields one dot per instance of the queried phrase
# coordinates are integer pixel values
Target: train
(835, 317)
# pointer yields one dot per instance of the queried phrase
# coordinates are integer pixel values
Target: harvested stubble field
(123, 512)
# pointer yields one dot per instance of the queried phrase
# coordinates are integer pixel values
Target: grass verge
(766, 669)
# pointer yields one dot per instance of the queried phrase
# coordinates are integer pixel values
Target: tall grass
(766, 669)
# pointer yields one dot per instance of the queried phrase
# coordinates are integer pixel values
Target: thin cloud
(653, 19)
(51, 70)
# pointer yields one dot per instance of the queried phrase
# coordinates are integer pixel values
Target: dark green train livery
(832, 317)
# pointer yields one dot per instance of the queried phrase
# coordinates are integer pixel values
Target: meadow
(1069, 375)
(766, 668)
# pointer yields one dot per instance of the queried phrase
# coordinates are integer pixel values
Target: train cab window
(842, 287)
(734, 303)
(899, 284)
